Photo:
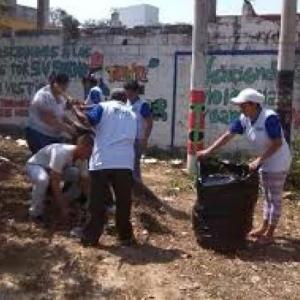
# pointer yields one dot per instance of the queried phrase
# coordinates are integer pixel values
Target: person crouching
(54, 164)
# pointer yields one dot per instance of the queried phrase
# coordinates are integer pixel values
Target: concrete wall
(26, 12)
(242, 53)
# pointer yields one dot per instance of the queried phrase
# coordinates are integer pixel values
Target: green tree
(3, 7)
(69, 24)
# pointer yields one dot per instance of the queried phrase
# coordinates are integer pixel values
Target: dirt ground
(39, 263)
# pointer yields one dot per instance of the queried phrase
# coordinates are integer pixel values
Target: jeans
(39, 177)
(121, 183)
(37, 140)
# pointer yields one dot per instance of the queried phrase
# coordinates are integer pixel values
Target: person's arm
(274, 132)
(81, 116)
(235, 127)
(51, 120)
(148, 127)
(90, 118)
(147, 123)
(221, 141)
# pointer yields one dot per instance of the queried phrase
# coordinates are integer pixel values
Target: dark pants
(121, 182)
(138, 151)
(37, 140)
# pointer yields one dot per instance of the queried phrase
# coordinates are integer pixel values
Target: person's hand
(72, 131)
(254, 165)
(202, 154)
(69, 105)
(80, 107)
(144, 143)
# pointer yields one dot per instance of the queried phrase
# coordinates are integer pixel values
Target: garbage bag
(226, 197)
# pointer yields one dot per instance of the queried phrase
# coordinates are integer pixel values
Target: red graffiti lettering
(6, 113)
(96, 60)
(124, 73)
(21, 112)
(13, 103)
(7, 103)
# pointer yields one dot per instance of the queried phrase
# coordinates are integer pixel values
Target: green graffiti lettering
(222, 116)
(66, 52)
(45, 68)
(239, 74)
(216, 97)
(35, 68)
(250, 76)
(46, 52)
(236, 75)
(20, 69)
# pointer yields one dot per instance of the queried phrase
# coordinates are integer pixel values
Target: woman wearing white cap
(263, 130)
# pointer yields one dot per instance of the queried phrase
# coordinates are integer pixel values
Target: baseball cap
(248, 95)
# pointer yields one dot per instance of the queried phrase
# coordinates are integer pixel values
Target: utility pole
(42, 14)
(286, 65)
(198, 75)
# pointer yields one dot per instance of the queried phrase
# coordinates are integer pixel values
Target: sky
(171, 11)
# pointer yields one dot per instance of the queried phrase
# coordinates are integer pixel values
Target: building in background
(139, 15)
(18, 17)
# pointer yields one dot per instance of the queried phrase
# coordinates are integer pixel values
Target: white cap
(248, 95)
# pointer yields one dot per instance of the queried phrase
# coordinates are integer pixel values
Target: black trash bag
(226, 197)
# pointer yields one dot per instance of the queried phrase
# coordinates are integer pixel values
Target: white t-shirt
(57, 157)
(116, 128)
(44, 100)
(256, 135)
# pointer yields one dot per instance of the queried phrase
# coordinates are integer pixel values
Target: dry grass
(168, 264)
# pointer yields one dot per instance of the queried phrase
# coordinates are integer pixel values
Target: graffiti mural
(226, 76)
(159, 109)
(122, 73)
(31, 66)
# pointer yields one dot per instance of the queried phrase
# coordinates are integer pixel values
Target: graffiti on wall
(121, 73)
(225, 82)
(226, 76)
(32, 65)
(159, 109)
(24, 69)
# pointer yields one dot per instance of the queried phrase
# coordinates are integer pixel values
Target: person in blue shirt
(143, 112)
(105, 89)
(95, 95)
(111, 164)
(263, 130)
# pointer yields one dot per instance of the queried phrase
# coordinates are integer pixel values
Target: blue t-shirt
(94, 115)
(272, 125)
(146, 110)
